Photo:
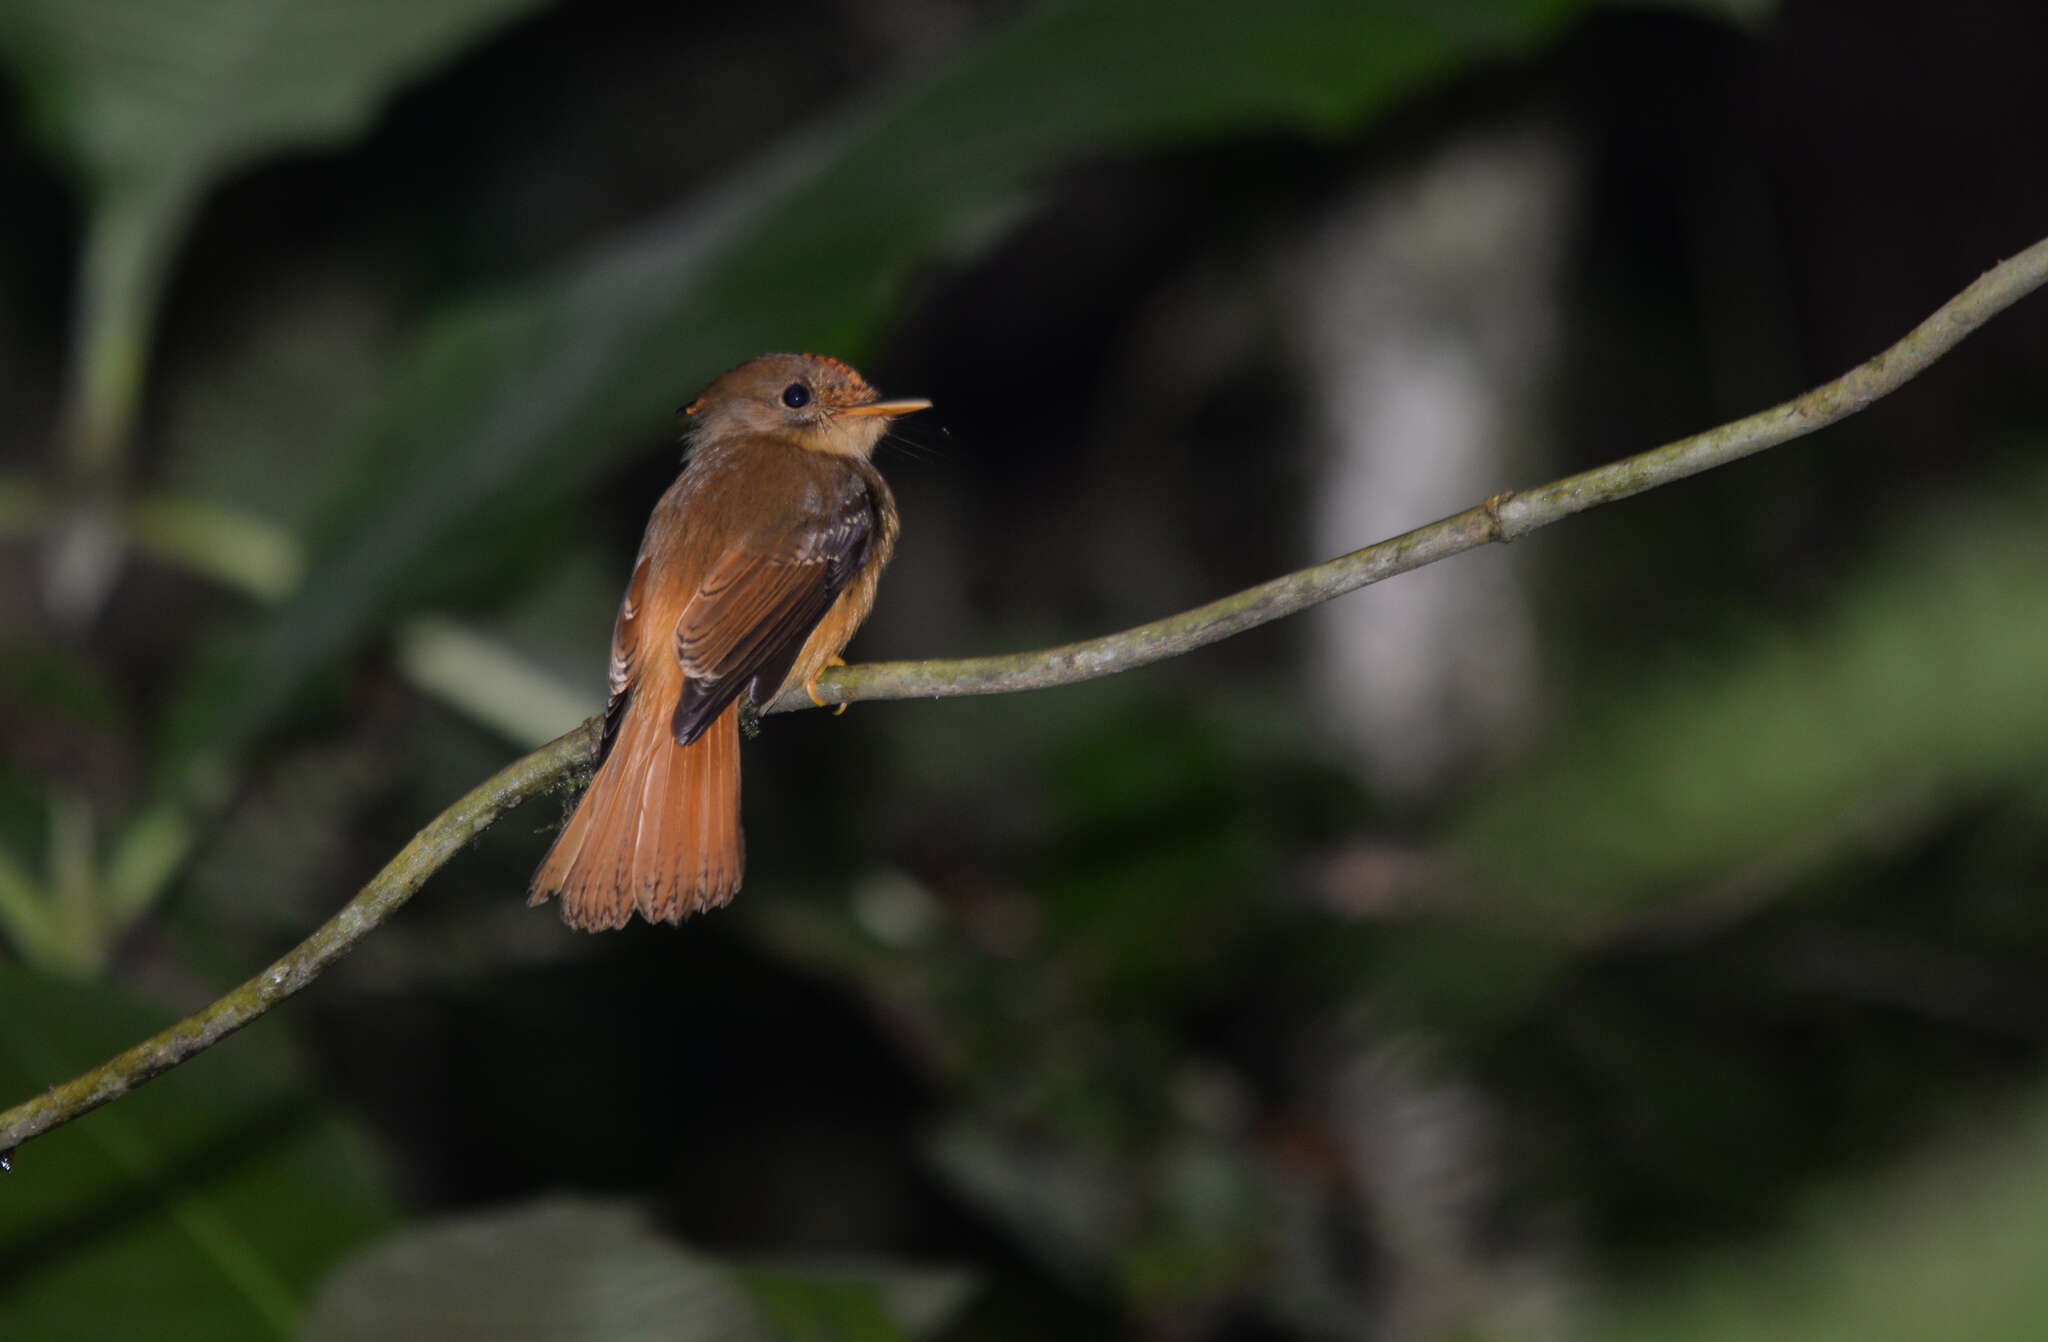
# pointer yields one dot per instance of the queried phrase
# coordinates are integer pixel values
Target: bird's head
(817, 401)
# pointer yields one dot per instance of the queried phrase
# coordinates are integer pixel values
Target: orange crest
(853, 378)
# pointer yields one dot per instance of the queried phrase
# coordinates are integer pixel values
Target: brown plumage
(758, 565)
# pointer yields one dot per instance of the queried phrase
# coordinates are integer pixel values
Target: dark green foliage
(1708, 1006)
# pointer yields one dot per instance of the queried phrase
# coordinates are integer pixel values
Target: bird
(757, 566)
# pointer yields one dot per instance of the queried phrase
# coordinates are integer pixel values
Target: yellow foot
(811, 685)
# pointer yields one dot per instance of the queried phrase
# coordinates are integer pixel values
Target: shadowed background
(1637, 931)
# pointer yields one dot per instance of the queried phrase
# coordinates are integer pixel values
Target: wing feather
(755, 606)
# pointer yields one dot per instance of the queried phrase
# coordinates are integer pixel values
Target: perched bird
(758, 565)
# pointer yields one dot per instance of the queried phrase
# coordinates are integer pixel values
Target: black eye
(796, 396)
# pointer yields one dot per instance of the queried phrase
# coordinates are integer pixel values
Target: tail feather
(707, 851)
(654, 817)
(658, 831)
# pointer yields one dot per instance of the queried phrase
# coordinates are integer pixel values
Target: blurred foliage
(1752, 763)
(596, 1273)
(1134, 1006)
(1950, 1245)
(150, 103)
(189, 1204)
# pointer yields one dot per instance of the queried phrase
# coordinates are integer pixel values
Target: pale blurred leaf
(600, 1272)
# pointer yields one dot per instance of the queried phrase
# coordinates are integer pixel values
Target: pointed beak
(905, 406)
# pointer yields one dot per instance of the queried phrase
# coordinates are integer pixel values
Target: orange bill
(902, 407)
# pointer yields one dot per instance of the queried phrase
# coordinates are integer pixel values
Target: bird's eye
(796, 396)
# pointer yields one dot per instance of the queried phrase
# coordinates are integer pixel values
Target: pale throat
(845, 437)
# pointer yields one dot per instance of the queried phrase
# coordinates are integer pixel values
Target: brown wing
(749, 617)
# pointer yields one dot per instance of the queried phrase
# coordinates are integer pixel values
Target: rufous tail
(658, 831)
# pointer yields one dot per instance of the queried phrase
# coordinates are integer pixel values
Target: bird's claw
(811, 686)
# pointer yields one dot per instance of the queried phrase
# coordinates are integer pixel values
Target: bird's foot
(811, 686)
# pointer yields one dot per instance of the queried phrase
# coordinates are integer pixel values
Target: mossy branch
(1503, 517)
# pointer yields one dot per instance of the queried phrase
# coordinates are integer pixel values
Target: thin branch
(404, 874)
(1503, 517)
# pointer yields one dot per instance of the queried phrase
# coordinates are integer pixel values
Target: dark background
(1639, 932)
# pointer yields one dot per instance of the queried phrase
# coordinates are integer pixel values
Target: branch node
(1498, 530)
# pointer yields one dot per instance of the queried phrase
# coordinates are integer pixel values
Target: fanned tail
(658, 831)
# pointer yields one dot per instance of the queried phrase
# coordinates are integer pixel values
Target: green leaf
(1956, 1245)
(212, 1197)
(1920, 687)
(531, 394)
(600, 1272)
(135, 92)
(843, 1303)
(150, 101)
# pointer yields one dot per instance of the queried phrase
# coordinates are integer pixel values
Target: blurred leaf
(831, 1302)
(1071, 1211)
(152, 100)
(242, 552)
(540, 389)
(203, 1205)
(141, 92)
(487, 680)
(559, 1269)
(150, 849)
(596, 1272)
(1918, 689)
(1956, 1246)
(62, 706)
